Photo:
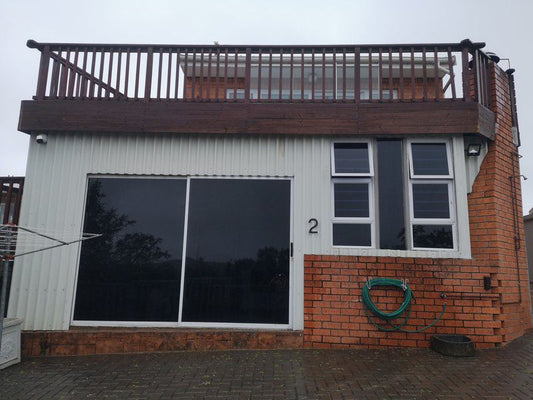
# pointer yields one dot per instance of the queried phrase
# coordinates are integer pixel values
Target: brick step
(85, 341)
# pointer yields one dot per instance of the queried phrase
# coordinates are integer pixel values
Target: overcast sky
(506, 27)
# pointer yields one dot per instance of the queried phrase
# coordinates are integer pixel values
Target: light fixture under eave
(41, 138)
(473, 150)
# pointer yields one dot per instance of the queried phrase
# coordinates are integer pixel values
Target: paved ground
(505, 373)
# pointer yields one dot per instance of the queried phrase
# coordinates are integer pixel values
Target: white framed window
(353, 212)
(325, 81)
(430, 159)
(352, 191)
(230, 94)
(351, 159)
(393, 194)
(431, 195)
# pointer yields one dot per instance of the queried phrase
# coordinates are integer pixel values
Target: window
(237, 263)
(212, 251)
(230, 94)
(430, 160)
(403, 198)
(351, 159)
(353, 213)
(430, 193)
(326, 80)
(133, 271)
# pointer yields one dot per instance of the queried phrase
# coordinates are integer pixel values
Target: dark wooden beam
(32, 44)
(487, 122)
(438, 117)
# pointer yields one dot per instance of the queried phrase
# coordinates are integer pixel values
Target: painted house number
(314, 225)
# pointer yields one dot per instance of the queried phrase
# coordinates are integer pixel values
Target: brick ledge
(85, 341)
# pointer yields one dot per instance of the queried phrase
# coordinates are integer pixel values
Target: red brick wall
(502, 173)
(334, 315)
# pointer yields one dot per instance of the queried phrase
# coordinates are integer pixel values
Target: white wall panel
(44, 283)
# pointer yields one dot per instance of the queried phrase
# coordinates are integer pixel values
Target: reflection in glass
(237, 266)
(325, 81)
(433, 236)
(391, 199)
(430, 200)
(351, 199)
(321, 81)
(352, 235)
(132, 272)
(351, 158)
(429, 159)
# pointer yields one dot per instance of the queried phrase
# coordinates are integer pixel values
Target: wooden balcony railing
(368, 73)
(11, 189)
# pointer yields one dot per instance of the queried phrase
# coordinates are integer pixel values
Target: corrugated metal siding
(44, 283)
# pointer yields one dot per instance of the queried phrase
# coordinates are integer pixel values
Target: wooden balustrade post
(248, 74)
(467, 74)
(149, 65)
(8, 201)
(1, 191)
(357, 75)
(43, 73)
(16, 214)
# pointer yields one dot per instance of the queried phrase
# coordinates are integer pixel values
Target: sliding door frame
(179, 322)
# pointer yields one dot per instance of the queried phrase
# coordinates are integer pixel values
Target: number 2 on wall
(314, 225)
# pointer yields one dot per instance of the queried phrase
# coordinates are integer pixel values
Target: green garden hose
(404, 309)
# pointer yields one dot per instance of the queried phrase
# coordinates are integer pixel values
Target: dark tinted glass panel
(351, 199)
(132, 272)
(433, 236)
(431, 201)
(391, 197)
(429, 158)
(351, 158)
(237, 267)
(351, 235)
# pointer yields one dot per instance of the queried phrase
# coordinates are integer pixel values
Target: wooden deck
(330, 90)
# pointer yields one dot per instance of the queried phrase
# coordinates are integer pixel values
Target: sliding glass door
(237, 264)
(133, 271)
(185, 250)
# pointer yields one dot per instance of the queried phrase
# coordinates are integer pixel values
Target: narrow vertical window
(431, 196)
(391, 194)
(352, 188)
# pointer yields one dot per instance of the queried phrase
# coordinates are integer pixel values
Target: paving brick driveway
(505, 373)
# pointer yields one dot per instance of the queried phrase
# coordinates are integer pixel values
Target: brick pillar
(512, 275)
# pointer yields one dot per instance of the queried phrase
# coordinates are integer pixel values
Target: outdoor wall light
(473, 150)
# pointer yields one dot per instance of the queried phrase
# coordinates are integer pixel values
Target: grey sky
(504, 25)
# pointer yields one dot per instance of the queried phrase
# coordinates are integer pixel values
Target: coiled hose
(405, 307)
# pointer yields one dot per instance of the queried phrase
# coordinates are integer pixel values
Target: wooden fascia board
(256, 118)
